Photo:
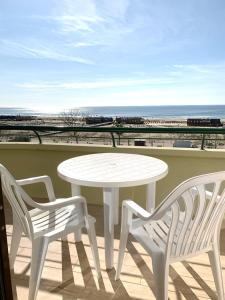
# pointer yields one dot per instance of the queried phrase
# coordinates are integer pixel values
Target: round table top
(112, 170)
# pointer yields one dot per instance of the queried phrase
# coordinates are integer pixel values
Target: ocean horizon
(158, 112)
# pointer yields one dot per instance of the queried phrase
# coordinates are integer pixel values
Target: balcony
(69, 272)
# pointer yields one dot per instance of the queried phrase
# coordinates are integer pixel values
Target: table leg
(109, 220)
(115, 197)
(150, 200)
(75, 191)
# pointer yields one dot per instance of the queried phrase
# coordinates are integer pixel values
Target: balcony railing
(47, 131)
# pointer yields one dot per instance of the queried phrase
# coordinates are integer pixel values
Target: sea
(148, 112)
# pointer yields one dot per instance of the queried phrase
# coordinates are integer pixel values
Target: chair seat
(153, 236)
(49, 223)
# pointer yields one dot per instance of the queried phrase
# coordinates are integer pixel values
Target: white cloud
(156, 96)
(175, 76)
(73, 23)
(91, 22)
(84, 44)
(113, 83)
(122, 24)
(41, 52)
(202, 67)
(195, 68)
(76, 15)
(212, 73)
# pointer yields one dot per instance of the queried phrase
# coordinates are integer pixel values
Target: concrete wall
(27, 160)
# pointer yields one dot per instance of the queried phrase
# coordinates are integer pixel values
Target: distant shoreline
(150, 119)
(170, 112)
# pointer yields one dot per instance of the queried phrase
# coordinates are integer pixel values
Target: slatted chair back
(197, 207)
(17, 198)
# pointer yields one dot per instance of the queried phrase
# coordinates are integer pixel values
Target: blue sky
(61, 54)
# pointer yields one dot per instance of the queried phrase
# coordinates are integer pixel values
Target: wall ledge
(154, 151)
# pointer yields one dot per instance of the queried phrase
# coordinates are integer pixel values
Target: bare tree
(72, 118)
(118, 125)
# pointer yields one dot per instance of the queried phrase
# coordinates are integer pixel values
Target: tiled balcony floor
(69, 272)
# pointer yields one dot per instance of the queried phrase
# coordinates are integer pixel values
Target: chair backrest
(197, 208)
(17, 198)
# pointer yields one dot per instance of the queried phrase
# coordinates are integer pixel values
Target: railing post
(5, 278)
(38, 136)
(203, 142)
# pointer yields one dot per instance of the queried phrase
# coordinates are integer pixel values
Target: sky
(61, 54)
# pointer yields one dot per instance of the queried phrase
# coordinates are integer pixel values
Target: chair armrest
(137, 209)
(40, 179)
(58, 203)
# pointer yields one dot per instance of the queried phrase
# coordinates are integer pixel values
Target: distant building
(98, 120)
(139, 142)
(16, 118)
(130, 120)
(204, 122)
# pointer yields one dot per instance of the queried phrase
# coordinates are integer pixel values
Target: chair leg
(125, 227)
(16, 237)
(94, 247)
(161, 273)
(77, 235)
(214, 258)
(122, 247)
(39, 249)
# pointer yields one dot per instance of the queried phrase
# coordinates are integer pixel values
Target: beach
(139, 116)
(122, 139)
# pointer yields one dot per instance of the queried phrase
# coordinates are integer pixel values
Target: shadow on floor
(69, 288)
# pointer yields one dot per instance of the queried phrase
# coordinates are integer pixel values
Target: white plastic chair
(44, 223)
(187, 223)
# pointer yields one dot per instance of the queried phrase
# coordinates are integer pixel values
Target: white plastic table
(112, 171)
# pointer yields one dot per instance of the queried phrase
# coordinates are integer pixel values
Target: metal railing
(43, 131)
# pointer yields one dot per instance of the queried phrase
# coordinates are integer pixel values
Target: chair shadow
(15, 277)
(142, 266)
(181, 287)
(68, 288)
(118, 287)
(89, 290)
(200, 281)
(119, 290)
